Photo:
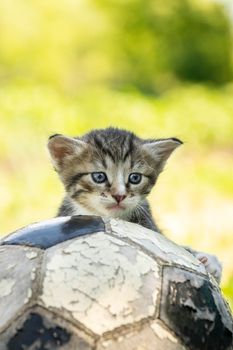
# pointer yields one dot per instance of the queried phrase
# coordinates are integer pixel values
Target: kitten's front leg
(210, 261)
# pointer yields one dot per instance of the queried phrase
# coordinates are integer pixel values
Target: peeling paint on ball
(91, 283)
(107, 282)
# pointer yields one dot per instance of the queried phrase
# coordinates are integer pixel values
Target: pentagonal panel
(17, 279)
(157, 244)
(101, 282)
(48, 233)
(195, 310)
(152, 336)
(37, 329)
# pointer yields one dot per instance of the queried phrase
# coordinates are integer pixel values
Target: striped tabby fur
(116, 153)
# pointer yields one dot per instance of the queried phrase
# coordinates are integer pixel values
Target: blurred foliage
(160, 68)
(121, 43)
(166, 41)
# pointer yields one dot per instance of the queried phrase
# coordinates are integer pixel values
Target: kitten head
(109, 171)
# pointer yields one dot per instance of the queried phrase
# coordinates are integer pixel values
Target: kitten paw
(211, 263)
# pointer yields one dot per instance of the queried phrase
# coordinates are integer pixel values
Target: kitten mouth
(116, 207)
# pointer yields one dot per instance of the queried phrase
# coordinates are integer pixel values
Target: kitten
(110, 172)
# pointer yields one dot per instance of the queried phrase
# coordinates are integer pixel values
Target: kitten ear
(62, 148)
(161, 149)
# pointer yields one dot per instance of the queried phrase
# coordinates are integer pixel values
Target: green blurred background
(158, 67)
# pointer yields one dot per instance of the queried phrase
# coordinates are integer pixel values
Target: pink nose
(118, 197)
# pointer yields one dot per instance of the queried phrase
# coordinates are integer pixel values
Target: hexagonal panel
(17, 279)
(101, 282)
(157, 244)
(195, 310)
(152, 336)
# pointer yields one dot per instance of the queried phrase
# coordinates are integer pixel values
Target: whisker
(144, 212)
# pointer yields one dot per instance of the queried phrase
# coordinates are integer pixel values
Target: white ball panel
(101, 281)
(151, 336)
(17, 277)
(156, 244)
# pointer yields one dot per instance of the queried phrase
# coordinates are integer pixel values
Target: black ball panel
(35, 331)
(51, 232)
(194, 309)
(39, 329)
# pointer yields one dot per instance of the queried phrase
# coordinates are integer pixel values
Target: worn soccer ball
(86, 283)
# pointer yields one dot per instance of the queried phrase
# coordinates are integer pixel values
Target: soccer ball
(88, 283)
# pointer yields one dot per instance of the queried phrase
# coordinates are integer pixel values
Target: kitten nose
(118, 197)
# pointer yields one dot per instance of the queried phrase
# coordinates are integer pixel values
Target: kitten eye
(99, 178)
(135, 178)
